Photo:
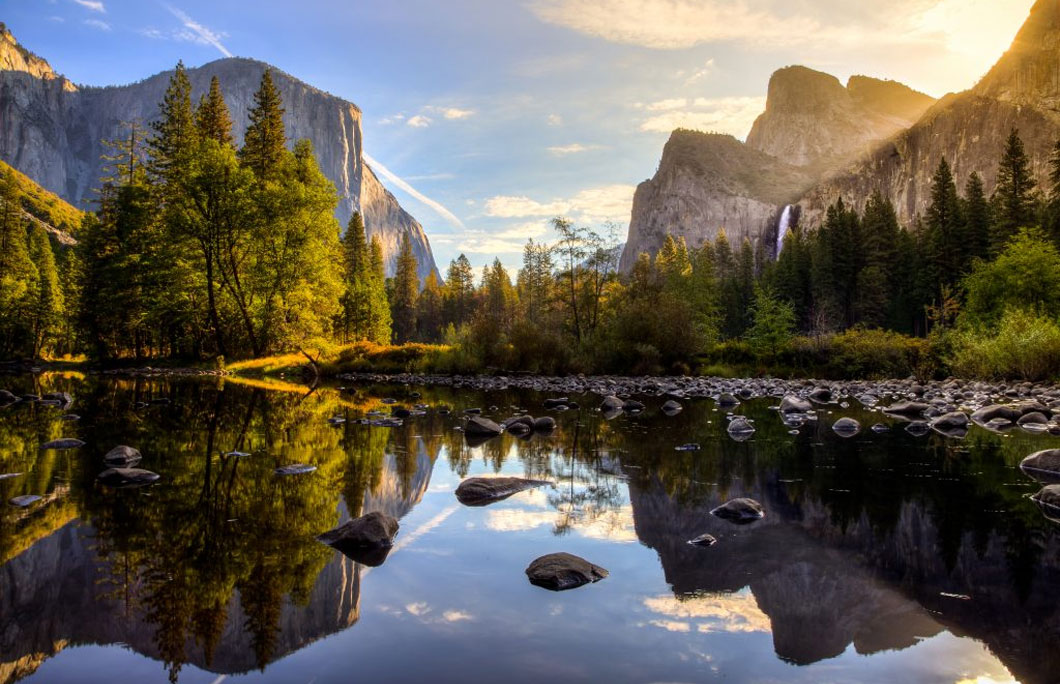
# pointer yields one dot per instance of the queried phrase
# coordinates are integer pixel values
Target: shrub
(860, 353)
(1023, 345)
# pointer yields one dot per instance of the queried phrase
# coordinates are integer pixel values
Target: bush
(859, 353)
(1023, 346)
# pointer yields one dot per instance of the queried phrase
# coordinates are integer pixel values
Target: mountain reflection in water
(923, 553)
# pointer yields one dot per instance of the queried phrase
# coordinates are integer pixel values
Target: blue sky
(507, 112)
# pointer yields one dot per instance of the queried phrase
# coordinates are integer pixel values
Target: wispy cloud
(555, 120)
(419, 121)
(602, 203)
(732, 115)
(97, 23)
(438, 207)
(453, 112)
(196, 32)
(93, 5)
(573, 148)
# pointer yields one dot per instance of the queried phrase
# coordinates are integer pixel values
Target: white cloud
(93, 5)
(732, 115)
(197, 33)
(152, 33)
(706, 70)
(456, 616)
(419, 121)
(555, 120)
(398, 181)
(603, 203)
(664, 105)
(418, 609)
(573, 148)
(97, 23)
(392, 119)
(454, 112)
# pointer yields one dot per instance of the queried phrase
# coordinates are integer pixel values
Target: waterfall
(782, 228)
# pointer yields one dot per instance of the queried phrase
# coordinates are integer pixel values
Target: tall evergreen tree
(459, 291)
(875, 281)
(977, 220)
(265, 140)
(1015, 196)
(429, 310)
(172, 146)
(212, 116)
(18, 275)
(47, 310)
(406, 291)
(945, 228)
(1052, 211)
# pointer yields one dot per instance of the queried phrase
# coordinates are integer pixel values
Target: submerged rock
(846, 427)
(481, 491)
(1042, 464)
(65, 443)
(123, 456)
(25, 500)
(822, 395)
(672, 408)
(367, 539)
(918, 428)
(880, 428)
(561, 571)
(726, 399)
(611, 403)
(295, 469)
(703, 540)
(1048, 499)
(544, 424)
(740, 511)
(740, 427)
(127, 477)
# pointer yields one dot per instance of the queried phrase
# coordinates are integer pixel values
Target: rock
(821, 395)
(544, 424)
(726, 399)
(7, 397)
(1048, 499)
(846, 427)
(556, 403)
(561, 571)
(477, 426)
(988, 413)
(481, 491)
(998, 424)
(400, 412)
(703, 540)
(63, 398)
(1042, 465)
(519, 425)
(951, 420)
(70, 417)
(672, 408)
(880, 428)
(918, 428)
(793, 404)
(740, 426)
(65, 443)
(907, 409)
(123, 456)
(127, 477)
(740, 511)
(633, 406)
(1033, 418)
(295, 469)
(363, 538)
(611, 403)
(25, 500)
(691, 446)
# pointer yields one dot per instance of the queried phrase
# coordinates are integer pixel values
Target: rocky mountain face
(707, 183)
(812, 120)
(53, 131)
(872, 134)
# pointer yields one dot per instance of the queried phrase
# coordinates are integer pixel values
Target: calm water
(882, 558)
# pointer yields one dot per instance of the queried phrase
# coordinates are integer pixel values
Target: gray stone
(127, 477)
(561, 571)
(481, 491)
(740, 511)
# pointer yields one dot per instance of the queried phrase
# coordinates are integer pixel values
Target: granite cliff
(53, 131)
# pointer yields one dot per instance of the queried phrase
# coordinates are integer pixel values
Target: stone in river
(740, 511)
(123, 456)
(793, 404)
(611, 403)
(25, 500)
(740, 427)
(1048, 499)
(846, 427)
(295, 469)
(65, 443)
(703, 540)
(561, 571)
(879, 428)
(481, 491)
(127, 477)
(4, 476)
(671, 408)
(367, 539)
(1043, 465)
(726, 399)
(908, 409)
(918, 428)
(477, 426)
(948, 421)
(544, 424)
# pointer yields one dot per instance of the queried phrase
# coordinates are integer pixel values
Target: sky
(488, 117)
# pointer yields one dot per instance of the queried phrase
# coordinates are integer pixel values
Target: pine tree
(212, 118)
(1015, 195)
(47, 311)
(945, 228)
(172, 146)
(976, 222)
(429, 310)
(406, 291)
(380, 324)
(265, 140)
(879, 227)
(535, 281)
(459, 291)
(1052, 212)
(18, 276)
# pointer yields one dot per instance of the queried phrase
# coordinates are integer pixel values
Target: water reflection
(874, 542)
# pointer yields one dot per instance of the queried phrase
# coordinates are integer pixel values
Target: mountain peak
(1027, 74)
(14, 57)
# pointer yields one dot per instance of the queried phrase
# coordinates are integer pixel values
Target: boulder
(908, 409)
(367, 539)
(477, 426)
(793, 404)
(556, 403)
(7, 397)
(1043, 465)
(127, 477)
(989, 413)
(726, 399)
(740, 426)
(846, 427)
(482, 491)
(740, 511)
(918, 428)
(950, 421)
(519, 425)
(295, 469)
(544, 424)
(703, 540)
(822, 395)
(611, 403)
(1033, 418)
(63, 398)
(560, 571)
(65, 443)
(672, 408)
(633, 406)
(1048, 499)
(123, 457)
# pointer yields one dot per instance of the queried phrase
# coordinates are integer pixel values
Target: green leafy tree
(18, 275)
(1025, 276)
(773, 324)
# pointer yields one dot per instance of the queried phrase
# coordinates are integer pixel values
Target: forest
(206, 253)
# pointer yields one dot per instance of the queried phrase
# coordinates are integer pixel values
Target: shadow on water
(878, 541)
